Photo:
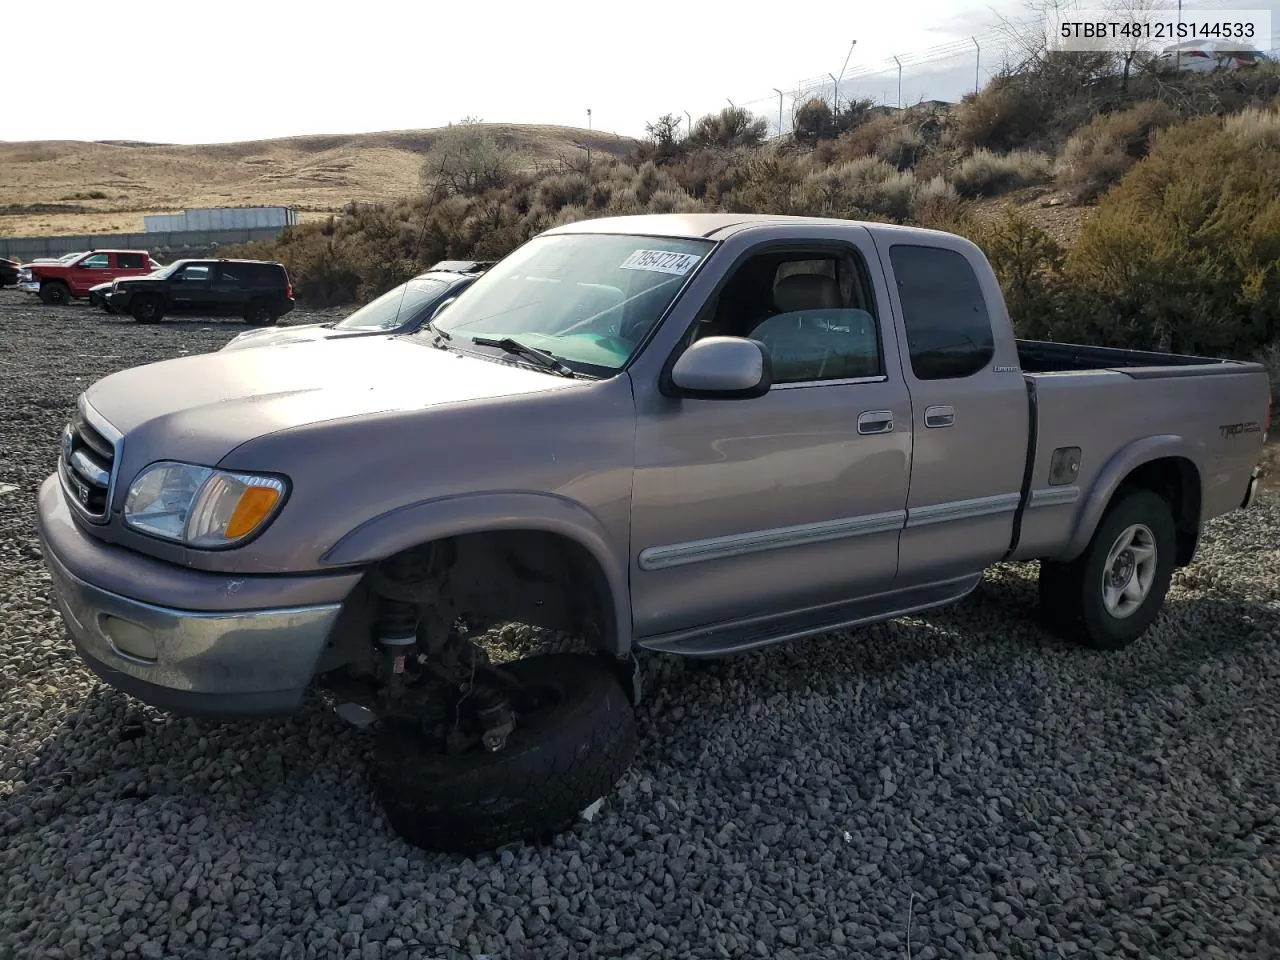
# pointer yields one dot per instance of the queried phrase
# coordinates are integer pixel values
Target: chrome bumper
(225, 664)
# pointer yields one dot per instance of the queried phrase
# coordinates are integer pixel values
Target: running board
(742, 635)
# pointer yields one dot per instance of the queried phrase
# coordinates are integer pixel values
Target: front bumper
(222, 663)
(30, 286)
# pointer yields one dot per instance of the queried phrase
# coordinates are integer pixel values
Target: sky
(249, 69)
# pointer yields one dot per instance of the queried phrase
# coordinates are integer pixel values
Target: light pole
(899, 63)
(977, 60)
(836, 89)
(779, 93)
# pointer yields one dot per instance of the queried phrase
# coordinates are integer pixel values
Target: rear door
(970, 414)
(231, 288)
(129, 264)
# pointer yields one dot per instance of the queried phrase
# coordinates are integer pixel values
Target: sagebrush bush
(1097, 155)
(1255, 127)
(986, 174)
(1183, 251)
(1003, 115)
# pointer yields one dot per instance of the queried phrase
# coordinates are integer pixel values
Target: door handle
(875, 421)
(939, 416)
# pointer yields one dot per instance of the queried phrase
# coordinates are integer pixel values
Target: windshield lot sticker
(661, 261)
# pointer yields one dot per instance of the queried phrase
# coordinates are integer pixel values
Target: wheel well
(529, 576)
(1177, 480)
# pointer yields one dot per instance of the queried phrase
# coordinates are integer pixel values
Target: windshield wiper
(541, 357)
(440, 334)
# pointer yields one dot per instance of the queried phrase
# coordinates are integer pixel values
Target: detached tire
(1109, 596)
(55, 293)
(554, 765)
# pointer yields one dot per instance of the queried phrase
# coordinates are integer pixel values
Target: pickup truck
(60, 281)
(693, 434)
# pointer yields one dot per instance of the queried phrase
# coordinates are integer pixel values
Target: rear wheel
(574, 737)
(55, 293)
(257, 314)
(147, 310)
(1109, 596)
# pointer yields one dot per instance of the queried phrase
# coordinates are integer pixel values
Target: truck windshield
(397, 306)
(587, 299)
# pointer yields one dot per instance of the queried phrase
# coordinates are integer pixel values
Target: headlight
(199, 506)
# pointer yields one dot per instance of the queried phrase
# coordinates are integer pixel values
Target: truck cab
(59, 282)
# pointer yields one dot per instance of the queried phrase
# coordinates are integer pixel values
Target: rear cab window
(948, 327)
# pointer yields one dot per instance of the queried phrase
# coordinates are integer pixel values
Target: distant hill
(52, 187)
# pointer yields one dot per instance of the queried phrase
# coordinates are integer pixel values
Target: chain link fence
(943, 74)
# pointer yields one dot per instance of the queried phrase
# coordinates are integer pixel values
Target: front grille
(86, 464)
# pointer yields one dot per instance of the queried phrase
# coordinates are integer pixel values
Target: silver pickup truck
(693, 434)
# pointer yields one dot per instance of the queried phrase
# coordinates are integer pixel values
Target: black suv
(257, 290)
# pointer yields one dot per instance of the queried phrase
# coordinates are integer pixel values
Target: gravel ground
(954, 784)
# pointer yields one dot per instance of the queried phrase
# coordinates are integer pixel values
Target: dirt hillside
(67, 186)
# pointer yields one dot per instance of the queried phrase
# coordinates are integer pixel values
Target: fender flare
(1123, 462)
(459, 514)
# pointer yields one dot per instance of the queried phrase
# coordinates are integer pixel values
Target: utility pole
(689, 128)
(588, 141)
(899, 63)
(976, 61)
(779, 93)
(1178, 50)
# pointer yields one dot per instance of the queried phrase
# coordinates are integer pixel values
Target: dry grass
(52, 187)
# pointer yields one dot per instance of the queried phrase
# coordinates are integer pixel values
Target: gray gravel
(946, 785)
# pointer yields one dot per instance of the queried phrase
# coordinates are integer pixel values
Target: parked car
(60, 281)
(402, 309)
(8, 272)
(1206, 56)
(258, 290)
(697, 434)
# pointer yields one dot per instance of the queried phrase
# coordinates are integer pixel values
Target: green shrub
(813, 121)
(1003, 115)
(1183, 251)
(986, 174)
(1097, 156)
(731, 127)
(467, 158)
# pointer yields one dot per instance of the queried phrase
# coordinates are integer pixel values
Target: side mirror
(723, 368)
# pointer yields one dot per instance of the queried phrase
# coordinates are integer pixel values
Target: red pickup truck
(60, 281)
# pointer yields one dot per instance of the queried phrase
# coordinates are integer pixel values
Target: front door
(745, 508)
(190, 288)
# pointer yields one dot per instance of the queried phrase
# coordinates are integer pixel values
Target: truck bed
(1045, 356)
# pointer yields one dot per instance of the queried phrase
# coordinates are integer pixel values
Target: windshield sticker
(661, 261)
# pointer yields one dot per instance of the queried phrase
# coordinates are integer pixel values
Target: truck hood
(200, 408)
